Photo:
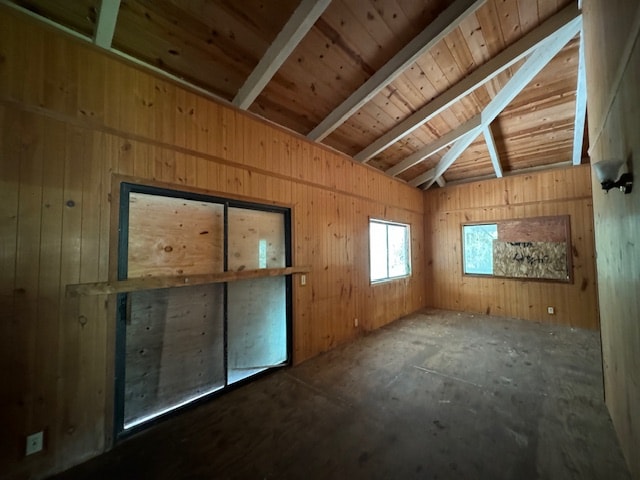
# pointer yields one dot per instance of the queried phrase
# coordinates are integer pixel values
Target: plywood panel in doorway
(174, 236)
(174, 348)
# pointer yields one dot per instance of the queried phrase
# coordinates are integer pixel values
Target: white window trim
(409, 262)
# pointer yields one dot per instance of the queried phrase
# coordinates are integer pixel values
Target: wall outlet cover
(34, 443)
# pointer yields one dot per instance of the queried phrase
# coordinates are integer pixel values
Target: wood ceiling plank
(176, 46)
(421, 168)
(509, 21)
(546, 8)
(254, 20)
(416, 47)
(452, 71)
(534, 64)
(79, 15)
(434, 147)
(447, 159)
(340, 26)
(479, 77)
(489, 21)
(433, 72)
(528, 14)
(313, 80)
(460, 51)
(291, 34)
(415, 87)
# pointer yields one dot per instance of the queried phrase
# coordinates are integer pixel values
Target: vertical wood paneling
(83, 117)
(541, 194)
(611, 27)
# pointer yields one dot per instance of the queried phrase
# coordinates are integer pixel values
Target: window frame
(388, 223)
(464, 250)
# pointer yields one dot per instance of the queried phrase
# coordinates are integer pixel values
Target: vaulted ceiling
(429, 91)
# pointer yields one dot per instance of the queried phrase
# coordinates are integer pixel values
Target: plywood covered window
(177, 345)
(389, 250)
(531, 248)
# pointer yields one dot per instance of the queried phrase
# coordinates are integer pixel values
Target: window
(389, 249)
(536, 248)
(478, 248)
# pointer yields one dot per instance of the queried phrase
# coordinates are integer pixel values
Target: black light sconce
(610, 176)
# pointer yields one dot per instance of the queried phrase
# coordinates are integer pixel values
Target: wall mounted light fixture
(610, 176)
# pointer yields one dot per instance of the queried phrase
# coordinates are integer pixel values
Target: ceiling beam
(303, 18)
(106, 24)
(527, 72)
(128, 58)
(493, 151)
(434, 147)
(445, 23)
(477, 78)
(454, 152)
(581, 105)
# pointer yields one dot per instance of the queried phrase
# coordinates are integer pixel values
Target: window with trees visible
(478, 248)
(389, 250)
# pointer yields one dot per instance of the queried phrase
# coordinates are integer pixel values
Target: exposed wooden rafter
(533, 65)
(505, 59)
(432, 34)
(454, 152)
(106, 24)
(294, 30)
(434, 147)
(493, 151)
(581, 106)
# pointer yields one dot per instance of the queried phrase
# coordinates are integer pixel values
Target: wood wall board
(161, 143)
(508, 198)
(613, 109)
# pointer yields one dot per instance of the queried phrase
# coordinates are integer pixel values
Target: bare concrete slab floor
(436, 395)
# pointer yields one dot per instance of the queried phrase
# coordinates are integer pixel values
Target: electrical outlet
(303, 279)
(34, 443)
(551, 310)
(355, 322)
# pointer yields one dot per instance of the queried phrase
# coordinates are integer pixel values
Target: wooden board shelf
(150, 283)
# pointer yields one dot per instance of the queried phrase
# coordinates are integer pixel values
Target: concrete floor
(437, 395)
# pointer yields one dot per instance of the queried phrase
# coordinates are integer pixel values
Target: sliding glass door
(176, 345)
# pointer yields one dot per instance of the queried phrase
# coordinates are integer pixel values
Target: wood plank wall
(612, 30)
(72, 117)
(557, 192)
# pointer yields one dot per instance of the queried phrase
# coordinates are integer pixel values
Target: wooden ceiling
(429, 91)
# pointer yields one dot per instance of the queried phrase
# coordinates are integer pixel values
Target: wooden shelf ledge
(152, 283)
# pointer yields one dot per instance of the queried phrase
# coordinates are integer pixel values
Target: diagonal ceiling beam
(493, 151)
(106, 24)
(292, 33)
(445, 23)
(477, 78)
(434, 147)
(534, 64)
(454, 152)
(581, 106)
